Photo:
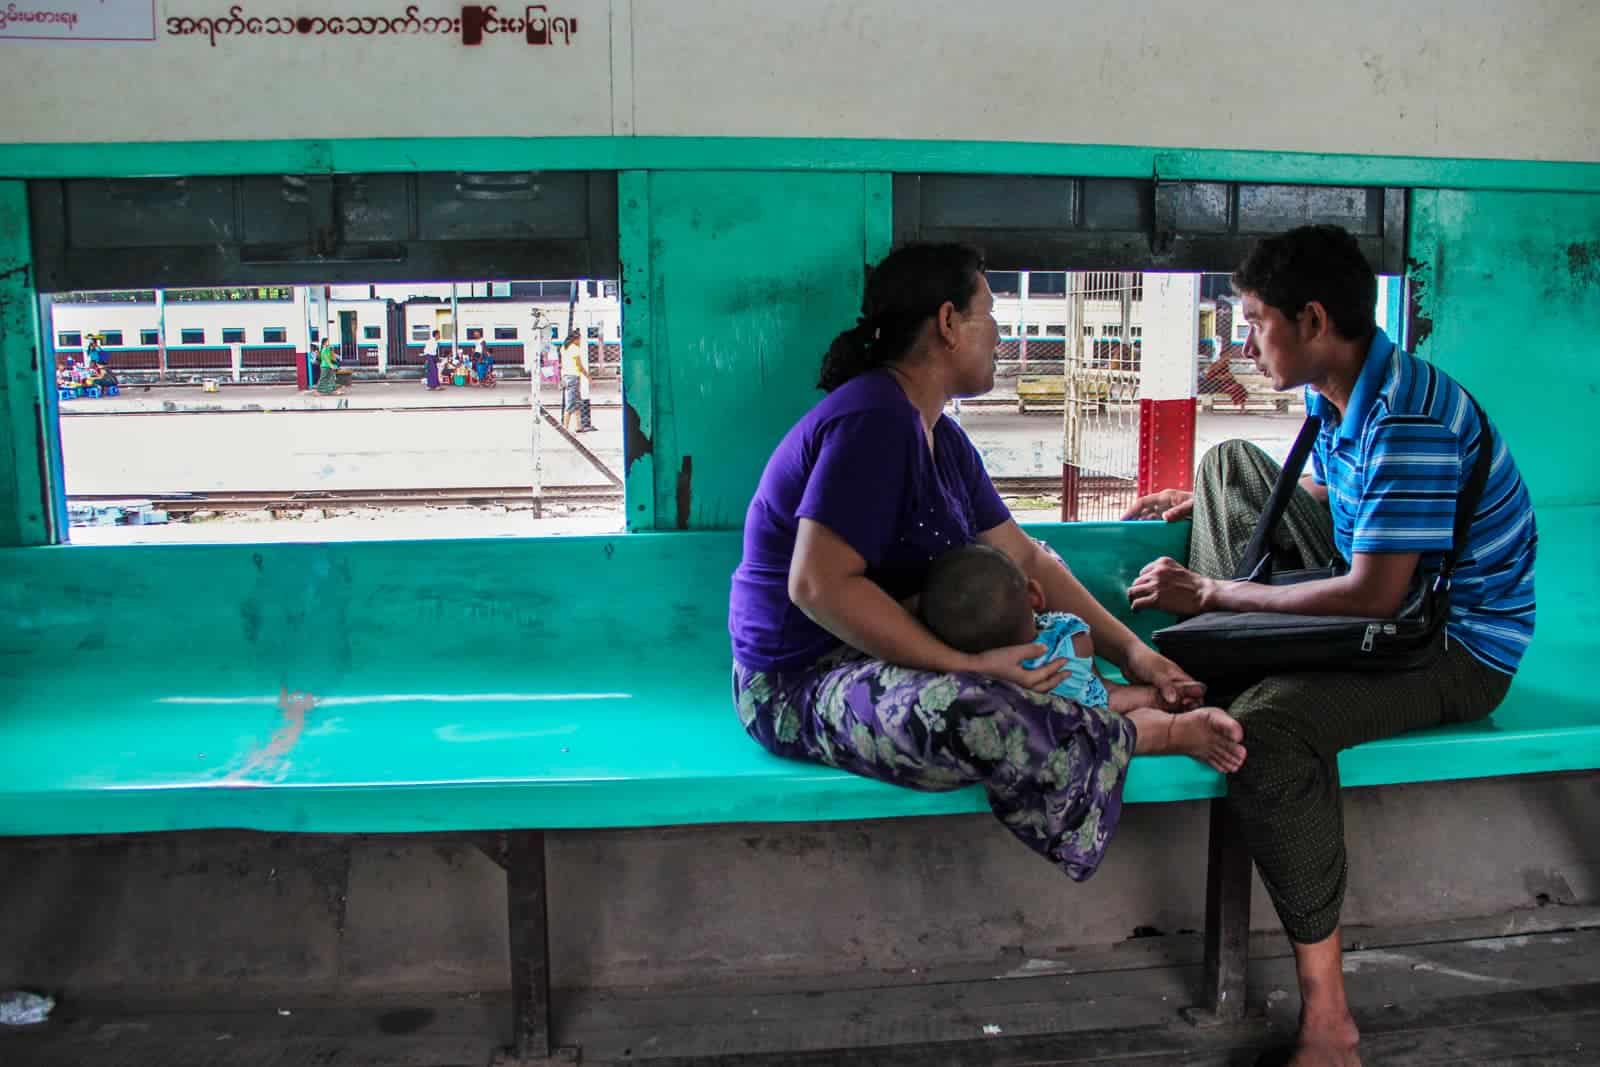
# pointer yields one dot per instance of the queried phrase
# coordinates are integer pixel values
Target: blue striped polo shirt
(1394, 466)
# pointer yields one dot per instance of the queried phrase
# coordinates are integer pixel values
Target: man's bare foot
(1332, 1045)
(1209, 735)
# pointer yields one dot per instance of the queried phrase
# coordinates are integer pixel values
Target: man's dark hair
(977, 599)
(1314, 263)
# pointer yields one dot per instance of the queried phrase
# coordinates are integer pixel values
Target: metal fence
(1100, 437)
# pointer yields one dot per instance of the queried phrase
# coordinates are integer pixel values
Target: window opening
(369, 454)
(1060, 431)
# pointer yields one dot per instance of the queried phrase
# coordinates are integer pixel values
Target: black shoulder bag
(1232, 650)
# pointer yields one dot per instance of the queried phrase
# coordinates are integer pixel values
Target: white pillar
(1171, 335)
(238, 360)
(383, 346)
(1022, 313)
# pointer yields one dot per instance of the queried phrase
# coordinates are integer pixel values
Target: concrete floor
(1459, 995)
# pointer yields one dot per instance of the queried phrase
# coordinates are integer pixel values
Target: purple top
(859, 464)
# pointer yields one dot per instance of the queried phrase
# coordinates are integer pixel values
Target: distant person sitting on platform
(977, 600)
(100, 376)
(482, 365)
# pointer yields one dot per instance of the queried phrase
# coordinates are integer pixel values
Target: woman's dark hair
(1321, 263)
(906, 289)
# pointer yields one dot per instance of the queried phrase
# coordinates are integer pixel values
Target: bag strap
(1256, 552)
(1471, 496)
(1253, 566)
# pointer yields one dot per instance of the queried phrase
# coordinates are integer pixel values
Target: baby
(976, 599)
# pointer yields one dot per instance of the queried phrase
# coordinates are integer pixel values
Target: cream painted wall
(1428, 77)
(1467, 78)
(267, 86)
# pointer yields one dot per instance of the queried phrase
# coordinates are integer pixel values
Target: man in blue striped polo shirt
(1397, 444)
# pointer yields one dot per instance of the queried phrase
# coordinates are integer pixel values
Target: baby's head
(976, 599)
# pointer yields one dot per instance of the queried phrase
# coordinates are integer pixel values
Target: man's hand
(1169, 505)
(1168, 585)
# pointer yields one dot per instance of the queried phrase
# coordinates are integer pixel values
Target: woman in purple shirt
(855, 503)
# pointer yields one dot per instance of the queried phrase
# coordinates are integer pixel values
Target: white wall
(1431, 78)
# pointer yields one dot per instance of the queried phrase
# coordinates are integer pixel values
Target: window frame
(183, 335)
(281, 331)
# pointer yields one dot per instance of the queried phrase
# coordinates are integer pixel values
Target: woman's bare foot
(1209, 735)
(1125, 698)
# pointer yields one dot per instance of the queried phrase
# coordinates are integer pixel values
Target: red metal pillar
(1166, 445)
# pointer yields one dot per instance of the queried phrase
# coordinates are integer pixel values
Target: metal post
(1071, 409)
(530, 946)
(455, 323)
(1227, 955)
(536, 406)
(161, 335)
(1022, 325)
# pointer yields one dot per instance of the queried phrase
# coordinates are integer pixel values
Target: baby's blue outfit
(1078, 683)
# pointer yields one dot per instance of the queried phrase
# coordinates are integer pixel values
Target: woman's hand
(1174, 688)
(1006, 665)
(1169, 505)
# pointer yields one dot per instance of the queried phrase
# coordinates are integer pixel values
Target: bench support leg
(1227, 923)
(527, 911)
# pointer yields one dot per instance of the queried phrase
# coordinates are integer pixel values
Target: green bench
(501, 688)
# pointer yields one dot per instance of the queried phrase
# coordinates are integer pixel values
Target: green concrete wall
(24, 448)
(1508, 303)
(737, 274)
(745, 279)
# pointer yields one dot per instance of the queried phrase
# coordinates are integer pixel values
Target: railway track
(300, 500)
(465, 496)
